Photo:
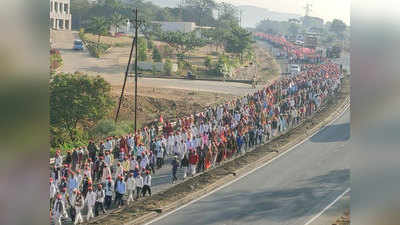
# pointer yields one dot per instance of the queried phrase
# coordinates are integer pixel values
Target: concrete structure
(60, 15)
(184, 27)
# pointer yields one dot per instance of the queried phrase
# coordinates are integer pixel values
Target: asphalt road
(290, 190)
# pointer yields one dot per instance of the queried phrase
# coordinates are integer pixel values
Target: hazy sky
(326, 9)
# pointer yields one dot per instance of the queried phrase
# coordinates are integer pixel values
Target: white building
(60, 15)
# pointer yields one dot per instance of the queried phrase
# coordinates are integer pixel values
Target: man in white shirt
(53, 191)
(90, 201)
(100, 195)
(147, 184)
(130, 186)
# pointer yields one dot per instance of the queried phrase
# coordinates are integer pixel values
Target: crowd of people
(119, 170)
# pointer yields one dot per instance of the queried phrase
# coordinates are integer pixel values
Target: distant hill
(251, 15)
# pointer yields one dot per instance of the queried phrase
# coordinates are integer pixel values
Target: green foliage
(156, 55)
(142, 49)
(208, 63)
(97, 49)
(239, 41)
(154, 70)
(98, 26)
(293, 29)
(55, 60)
(117, 20)
(77, 101)
(200, 11)
(167, 51)
(338, 27)
(168, 67)
(150, 44)
(274, 27)
(182, 42)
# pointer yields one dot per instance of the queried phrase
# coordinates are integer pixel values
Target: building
(60, 15)
(184, 27)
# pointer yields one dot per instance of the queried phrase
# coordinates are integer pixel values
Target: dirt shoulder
(151, 207)
(168, 102)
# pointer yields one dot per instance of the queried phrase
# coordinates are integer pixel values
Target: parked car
(78, 45)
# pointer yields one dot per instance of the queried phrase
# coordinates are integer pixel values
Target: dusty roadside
(184, 192)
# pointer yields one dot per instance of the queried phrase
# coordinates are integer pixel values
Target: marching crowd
(119, 170)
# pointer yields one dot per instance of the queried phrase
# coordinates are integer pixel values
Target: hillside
(252, 15)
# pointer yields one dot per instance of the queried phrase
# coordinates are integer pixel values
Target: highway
(291, 190)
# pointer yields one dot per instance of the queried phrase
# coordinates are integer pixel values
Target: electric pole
(134, 45)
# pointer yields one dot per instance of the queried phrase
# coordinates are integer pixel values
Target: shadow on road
(269, 207)
(333, 133)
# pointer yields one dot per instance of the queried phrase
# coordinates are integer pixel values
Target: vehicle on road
(78, 45)
(294, 69)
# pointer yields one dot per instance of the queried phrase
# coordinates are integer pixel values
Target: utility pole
(125, 78)
(134, 45)
(136, 67)
(308, 9)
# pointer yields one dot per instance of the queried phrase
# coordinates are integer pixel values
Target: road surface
(290, 190)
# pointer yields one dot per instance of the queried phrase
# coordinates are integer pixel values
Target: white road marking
(251, 171)
(326, 208)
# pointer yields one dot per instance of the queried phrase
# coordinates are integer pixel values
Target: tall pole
(136, 67)
(126, 76)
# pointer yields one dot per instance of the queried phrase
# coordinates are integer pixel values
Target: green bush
(168, 67)
(97, 50)
(104, 128)
(156, 55)
(208, 62)
(150, 44)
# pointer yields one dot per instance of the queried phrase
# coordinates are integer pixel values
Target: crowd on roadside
(119, 170)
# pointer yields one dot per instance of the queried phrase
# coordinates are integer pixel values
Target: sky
(325, 9)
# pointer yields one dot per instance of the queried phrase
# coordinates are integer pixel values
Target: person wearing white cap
(78, 204)
(90, 202)
(130, 186)
(58, 210)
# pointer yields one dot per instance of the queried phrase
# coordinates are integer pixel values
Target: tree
(168, 67)
(80, 9)
(77, 99)
(182, 42)
(208, 63)
(338, 27)
(200, 11)
(116, 21)
(99, 26)
(293, 29)
(142, 49)
(239, 40)
(156, 55)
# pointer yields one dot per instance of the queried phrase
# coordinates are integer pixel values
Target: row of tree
(331, 31)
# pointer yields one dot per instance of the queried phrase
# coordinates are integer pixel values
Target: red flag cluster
(292, 49)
